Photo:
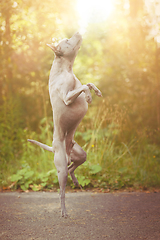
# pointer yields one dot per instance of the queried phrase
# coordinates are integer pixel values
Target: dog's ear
(56, 50)
(51, 46)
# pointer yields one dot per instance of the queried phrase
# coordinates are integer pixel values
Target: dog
(69, 100)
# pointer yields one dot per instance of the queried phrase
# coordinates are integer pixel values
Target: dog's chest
(62, 84)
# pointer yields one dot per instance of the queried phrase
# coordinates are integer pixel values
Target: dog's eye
(67, 41)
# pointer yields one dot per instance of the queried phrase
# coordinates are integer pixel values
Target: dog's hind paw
(64, 214)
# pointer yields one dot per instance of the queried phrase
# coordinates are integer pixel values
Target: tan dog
(69, 99)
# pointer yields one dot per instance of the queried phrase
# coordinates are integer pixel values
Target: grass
(113, 162)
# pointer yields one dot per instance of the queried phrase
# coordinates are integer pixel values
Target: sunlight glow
(93, 11)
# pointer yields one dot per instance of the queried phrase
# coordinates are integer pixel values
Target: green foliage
(28, 179)
(111, 163)
(22, 178)
(12, 135)
(83, 181)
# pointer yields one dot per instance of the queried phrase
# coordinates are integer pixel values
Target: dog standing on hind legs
(69, 100)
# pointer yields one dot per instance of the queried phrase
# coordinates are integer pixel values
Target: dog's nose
(78, 34)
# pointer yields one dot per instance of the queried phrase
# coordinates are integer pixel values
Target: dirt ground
(123, 215)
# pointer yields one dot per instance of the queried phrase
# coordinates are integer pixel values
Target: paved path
(36, 215)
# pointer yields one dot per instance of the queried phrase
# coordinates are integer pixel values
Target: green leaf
(83, 181)
(16, 177)
(95, 169)
(53, 171)
(44, 184)
(86, 182)
(35, 187)
(55, 180)
(45, 179)
(23, 187)
(28, 174)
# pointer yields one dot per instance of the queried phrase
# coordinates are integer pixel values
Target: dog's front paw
(88, 98)
(98, 92)
(88, 95)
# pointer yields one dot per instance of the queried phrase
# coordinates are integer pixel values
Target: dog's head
(67, 48)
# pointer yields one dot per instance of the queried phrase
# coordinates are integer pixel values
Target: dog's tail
(44, 146)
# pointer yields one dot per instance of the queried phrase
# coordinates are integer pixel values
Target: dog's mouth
(78, 45)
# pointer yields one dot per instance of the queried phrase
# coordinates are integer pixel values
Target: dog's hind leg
(78, 157)
(60, 162)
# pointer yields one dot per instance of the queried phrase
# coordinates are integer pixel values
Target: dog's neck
(61, 64)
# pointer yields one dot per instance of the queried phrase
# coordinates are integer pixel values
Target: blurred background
(120, 54)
